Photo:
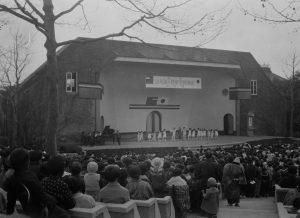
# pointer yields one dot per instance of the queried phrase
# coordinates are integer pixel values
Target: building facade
(134, 87)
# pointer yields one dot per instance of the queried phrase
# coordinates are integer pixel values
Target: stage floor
(220, 141)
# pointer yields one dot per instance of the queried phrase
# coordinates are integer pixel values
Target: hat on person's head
(211, 182)
(237, 160)
(92, 167)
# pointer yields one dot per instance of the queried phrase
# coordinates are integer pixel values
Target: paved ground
(221, 140)
(249, 208)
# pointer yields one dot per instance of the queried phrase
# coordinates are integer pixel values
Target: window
(71, 82)
(253, 86)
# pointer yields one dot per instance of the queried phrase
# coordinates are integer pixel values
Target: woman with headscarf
(158, 177)
(233, 175)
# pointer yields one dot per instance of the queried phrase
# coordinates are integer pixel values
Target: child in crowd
(81, 200)
(210, 203)
(92, 180)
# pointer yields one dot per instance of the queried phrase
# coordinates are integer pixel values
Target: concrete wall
(124, 84)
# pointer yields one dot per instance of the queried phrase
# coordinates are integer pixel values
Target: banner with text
(173, 82)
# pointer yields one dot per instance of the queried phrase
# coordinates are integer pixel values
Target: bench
(148, 208)
(166, 207)
(126, 210)
(99, 211)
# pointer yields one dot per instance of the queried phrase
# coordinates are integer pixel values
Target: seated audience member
(138, 189)
(289, 180)
(81, 200)
(75, 170)
(291, 195)
(35, 163)
(113, 192)
(92, 180)
(24, 186)
(55, 186)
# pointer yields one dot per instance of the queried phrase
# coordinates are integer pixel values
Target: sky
(270, 44)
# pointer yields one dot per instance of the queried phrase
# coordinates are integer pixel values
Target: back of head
(177, 171)
(35, 156)
(19, 159)
(92, 167)
(134, 171)
(144, 168)
(211, 182)
(56, 165)
(73, 184)
(112, 173)
(292, 170)
(75, 168)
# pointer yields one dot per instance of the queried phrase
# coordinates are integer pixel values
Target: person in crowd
(292, 194)
(144, 172)
(158, 178)
(113, 192)
(138, 189)
(92, 180)
(81, 200)
(210, 203)
(251, 173)
(35, 163)
(24, 186)
(75, 170)
(179, 190)
(55, 186)
(289, 180)
(232, 175)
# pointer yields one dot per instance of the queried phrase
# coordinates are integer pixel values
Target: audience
(246, 169)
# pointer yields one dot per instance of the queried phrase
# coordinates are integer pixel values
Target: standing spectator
(289, 180)
(158, 178)
(232, 175)
(113, 192)
(92, 180)
(138, 189)
(118, 137)
(210, 203)
(180, 194)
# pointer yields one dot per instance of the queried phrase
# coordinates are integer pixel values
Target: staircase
(249, 208)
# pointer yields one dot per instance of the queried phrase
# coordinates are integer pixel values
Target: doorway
(228, 124)
(153, 122)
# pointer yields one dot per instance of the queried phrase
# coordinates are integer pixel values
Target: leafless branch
(121, 33)
(35, 9)
(39, 26)
(69, 10)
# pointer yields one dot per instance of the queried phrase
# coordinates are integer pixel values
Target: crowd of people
(196, 180)
(178, 134)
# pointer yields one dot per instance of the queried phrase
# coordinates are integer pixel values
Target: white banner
(173, 82)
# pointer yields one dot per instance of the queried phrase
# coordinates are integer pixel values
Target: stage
(192, 144)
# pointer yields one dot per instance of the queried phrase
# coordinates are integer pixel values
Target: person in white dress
(174, 134)
(159, 136)
(165, 135)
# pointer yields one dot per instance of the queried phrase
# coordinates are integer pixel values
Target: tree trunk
(52, 78)
(292, 110)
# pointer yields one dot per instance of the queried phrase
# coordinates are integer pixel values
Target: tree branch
(121, 33)
(69, 10)
(35, 9)
(39, 26)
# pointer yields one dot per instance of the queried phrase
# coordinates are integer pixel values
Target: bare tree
(292, 69)
(273, 11)
(156, 14)
(13, 61)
